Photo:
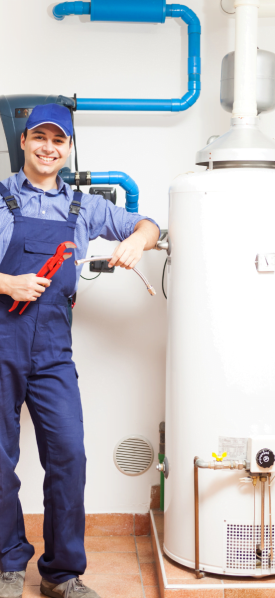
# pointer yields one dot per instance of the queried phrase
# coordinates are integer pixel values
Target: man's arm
(129, 252)
(26, 287)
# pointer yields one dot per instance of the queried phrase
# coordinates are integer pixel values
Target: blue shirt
(97, 217)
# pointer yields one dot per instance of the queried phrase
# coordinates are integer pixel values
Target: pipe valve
(161, 467)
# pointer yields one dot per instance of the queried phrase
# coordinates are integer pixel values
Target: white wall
(119, 331)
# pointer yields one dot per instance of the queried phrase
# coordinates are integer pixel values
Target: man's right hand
(26, 287)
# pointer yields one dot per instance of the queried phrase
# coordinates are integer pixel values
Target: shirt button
(43, 212)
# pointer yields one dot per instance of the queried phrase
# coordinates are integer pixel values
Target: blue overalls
(36, 366)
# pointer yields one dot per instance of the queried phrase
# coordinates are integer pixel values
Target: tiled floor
(117, 567)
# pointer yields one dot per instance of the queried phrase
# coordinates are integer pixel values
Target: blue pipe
(145, 11)
(110, 178)
(60, 11)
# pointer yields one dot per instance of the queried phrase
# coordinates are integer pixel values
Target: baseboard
(99, 524)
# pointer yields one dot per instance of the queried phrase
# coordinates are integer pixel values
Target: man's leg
(53, 400)
(15, 340)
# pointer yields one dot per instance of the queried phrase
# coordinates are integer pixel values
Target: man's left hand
(129, 252)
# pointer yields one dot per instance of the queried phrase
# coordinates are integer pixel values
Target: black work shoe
(11, 584)
(74, 588)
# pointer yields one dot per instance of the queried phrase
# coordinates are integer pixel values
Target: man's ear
(23, 141)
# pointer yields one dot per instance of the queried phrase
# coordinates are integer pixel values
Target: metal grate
(133, 455)
(241, 540)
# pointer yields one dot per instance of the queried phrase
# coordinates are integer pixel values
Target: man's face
(46, 149)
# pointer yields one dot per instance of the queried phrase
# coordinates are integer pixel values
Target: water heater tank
(220, 364)
(265, 81)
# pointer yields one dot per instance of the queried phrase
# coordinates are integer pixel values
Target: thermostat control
(260, 454)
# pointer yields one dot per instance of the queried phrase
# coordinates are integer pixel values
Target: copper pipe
(270, 519)
(263, 480)
(198, 573)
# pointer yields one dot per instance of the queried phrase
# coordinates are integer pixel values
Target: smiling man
(38, 211)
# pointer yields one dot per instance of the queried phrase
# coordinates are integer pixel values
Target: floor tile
(194, 581)
(231, 579)
(149, 574)
(33, 576)
(109, 563)
(194, 594)
(145, 550)
(111, 586)
(152, 592)
(39, 549)
(121, 524)
(31, 592)
(249, 593)
(110, 544)
(176, 571)
(31, 538)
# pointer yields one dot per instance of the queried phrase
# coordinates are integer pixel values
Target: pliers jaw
(50, 267)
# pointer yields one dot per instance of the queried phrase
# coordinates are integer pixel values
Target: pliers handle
(50, 267)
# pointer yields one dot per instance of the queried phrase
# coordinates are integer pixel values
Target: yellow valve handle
(219, 457)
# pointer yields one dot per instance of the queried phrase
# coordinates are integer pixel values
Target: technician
(38, 211)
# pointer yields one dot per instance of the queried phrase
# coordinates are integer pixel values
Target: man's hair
(25, 133)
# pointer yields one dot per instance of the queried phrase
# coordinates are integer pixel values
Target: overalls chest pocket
(36, 253)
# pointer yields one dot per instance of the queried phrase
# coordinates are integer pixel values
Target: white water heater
(220, 400)
(220, 366)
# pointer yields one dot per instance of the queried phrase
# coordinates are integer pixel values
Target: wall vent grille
(133, 455)
(241, 539)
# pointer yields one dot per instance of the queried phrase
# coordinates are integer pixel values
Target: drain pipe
(245, 100)
(105, 178)
(152, 11)
(266, 9)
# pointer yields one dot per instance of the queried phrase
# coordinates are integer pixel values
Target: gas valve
(219, 458)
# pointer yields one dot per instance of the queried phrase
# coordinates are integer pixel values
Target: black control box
(101, 266)
(106, 192)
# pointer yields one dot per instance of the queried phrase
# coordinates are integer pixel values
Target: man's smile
(45, 159)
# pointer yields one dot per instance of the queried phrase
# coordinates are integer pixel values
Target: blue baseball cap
(53, 114)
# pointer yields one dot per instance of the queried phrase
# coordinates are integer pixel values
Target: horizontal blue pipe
(134, 11)
(143, 105)
(60, 11)
(110, 178)
(142, 10)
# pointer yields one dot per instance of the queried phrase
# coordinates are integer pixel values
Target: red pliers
(50, 267)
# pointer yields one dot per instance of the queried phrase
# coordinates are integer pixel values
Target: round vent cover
(133, 455)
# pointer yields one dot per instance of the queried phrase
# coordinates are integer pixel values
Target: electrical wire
(90, 278)
(75, 146)
(149, 287)
(163, 274)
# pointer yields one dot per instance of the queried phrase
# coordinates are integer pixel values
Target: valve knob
(265, 458)
(219, 457)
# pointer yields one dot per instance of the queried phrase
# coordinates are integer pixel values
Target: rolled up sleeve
(111, 222)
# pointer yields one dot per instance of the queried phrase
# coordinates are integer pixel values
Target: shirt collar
(61, 186)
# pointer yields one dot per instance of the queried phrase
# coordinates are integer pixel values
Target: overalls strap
(10, 201)
(74, 209)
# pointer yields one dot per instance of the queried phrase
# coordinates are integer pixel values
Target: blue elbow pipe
(155, 11)
(110, 178)
(60, 11)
